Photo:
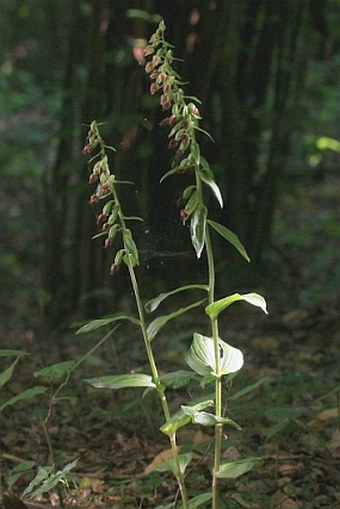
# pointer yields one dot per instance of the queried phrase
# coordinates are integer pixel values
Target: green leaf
(58, 370)
(236, 468)
(196, 153)
(184, 460)
(180, 418)
(42, 474)
(197, 228)
(131, 246)
(27, 394)
(248, 388)
(12, 353)
(121, 381)
(46, 480)
(192, 203)
(214, 309)
(134, 218)
(230, 237)
(208, 419)
(101, 322)
(168, 174)
(158, 323)
(201, 357)
(199, 500)
(20, 470)
(108, 206)
(153, 304)
(177, 379)
(7, 373)
(208, 178)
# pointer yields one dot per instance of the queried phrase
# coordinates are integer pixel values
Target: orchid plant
(210, 358)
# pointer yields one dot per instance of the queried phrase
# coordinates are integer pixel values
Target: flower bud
(92, 178)
(183, 214)
(101, 217)
(107, 243)
(114, 268)
(156, 60)
(87, 149)
(93, 199)
(161, 78)
(149, 67)
(172, 143)
(149, 50)
(154, 88)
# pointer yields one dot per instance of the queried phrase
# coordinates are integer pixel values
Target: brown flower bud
(87, 149)
(156, 60)
(106, 227)
(149, 67)
(107, 243)
(92, 178)
(183, 215)
(114, 268)
(149, 50)
(101, 217)
(154, 88)
(93, 199)
(172, 143)
(165, 102)
(161, 78)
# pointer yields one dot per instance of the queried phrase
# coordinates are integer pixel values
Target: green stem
(215, 336)
(155, 374)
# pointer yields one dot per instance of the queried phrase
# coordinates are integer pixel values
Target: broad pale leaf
(231, 237)
(121, 381)
(153, 304)
(214, 309)
(236, 468)
(101, 322)
(158, 323)
(27, 394)
(197, 228)
(201, 357)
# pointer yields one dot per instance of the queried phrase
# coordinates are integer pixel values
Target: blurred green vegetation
(268, 76)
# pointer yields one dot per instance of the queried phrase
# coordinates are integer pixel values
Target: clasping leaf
(201, 357)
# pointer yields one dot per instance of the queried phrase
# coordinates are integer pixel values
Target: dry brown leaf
(160, 458)
(325, 415)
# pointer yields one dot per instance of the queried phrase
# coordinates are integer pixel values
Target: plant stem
(150, 355)
(215, 336)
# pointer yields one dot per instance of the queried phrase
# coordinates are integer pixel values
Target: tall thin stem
(151, 358)
(215, 336)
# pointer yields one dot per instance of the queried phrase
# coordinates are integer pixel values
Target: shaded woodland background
(267, 73)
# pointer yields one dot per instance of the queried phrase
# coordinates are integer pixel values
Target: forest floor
(291, 419)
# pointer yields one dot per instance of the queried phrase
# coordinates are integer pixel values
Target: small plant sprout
(210, 358)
